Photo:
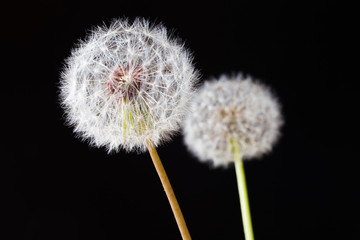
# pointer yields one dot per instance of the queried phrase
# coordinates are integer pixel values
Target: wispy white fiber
(232, 107)
(126, 84)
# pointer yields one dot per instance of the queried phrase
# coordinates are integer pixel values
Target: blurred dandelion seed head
(232, 108)
(127, 83)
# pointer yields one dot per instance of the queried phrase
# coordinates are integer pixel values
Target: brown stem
(169, 191)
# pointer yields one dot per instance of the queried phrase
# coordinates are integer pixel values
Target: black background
(307, 188)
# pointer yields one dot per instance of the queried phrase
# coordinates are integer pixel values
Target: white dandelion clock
(232, 108)
(128, 86)
(232, 119)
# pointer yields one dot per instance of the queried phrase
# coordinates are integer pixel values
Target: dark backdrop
(307, 188)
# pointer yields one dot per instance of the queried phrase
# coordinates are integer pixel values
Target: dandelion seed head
(126, 84)
(232, 108)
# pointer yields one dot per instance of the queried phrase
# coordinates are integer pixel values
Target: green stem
(244, 199)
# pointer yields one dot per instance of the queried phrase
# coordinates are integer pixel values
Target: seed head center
(126, 79)
(125, 83)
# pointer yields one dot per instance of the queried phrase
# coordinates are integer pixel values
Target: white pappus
(232, 108)
(126, 84)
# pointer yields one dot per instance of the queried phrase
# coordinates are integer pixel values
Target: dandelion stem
(244, 199)
(169, 191)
